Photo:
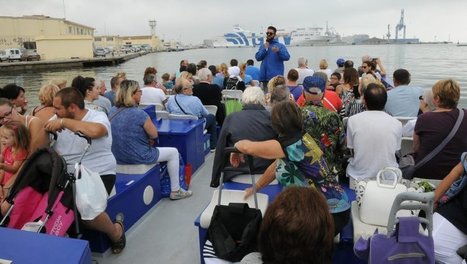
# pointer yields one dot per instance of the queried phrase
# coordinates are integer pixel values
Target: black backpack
(233, 83)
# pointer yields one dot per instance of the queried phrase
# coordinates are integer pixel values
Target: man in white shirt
(303, 70)
(373, 135)
(151, 94)
(71, 117)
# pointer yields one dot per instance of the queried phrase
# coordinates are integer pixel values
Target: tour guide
(272, 54)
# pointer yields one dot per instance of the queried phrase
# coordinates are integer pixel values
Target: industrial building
(53, 38)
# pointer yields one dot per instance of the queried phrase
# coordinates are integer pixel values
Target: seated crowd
(311, 129)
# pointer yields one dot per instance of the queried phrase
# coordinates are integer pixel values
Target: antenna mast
(152, 25)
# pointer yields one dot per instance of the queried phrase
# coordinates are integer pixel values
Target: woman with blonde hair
(433, 127)
(323, 67)
(133, 134)
(46, 96)
(61, 83)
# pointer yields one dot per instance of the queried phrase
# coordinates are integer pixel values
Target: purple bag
(405, 246)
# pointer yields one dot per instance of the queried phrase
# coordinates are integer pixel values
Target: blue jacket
(272, 62)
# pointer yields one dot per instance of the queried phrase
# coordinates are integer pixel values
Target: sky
(192, 21)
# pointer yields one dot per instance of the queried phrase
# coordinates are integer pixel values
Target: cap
(314, 84)
(340, 62)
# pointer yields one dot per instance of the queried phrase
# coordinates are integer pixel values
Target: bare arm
(38, 135)
(265, 179)
(444, 185)
(150, 128)
(269, 149)
(90, 129)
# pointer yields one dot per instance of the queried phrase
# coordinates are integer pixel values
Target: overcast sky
(191, 21)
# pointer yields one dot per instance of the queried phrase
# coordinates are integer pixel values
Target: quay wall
(66, 63)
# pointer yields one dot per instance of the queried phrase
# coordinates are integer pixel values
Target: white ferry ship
(305, 36)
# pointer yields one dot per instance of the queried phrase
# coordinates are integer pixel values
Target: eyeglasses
(269, 33)
(6, 114)
(364, 67)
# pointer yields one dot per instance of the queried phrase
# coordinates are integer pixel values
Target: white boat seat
(231, 196)
(135, 168)
(159, 107)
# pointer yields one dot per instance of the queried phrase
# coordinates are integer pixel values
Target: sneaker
(180, 194)
(213, 150)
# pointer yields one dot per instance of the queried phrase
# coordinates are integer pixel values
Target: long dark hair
(286, 118)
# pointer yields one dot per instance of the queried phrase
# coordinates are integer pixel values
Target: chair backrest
(232, 94)
(212, 109)
(159, 107)
(404, 119)
(177, 116)
(144, 106)
(162, 115)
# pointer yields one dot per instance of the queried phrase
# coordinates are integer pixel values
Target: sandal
(118, 246)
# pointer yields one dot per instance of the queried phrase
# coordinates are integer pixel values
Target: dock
(67, 63)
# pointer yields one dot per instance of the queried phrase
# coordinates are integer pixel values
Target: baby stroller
(41, 198)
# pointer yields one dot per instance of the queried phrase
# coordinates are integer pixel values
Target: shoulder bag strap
(445, 141)
(116, 113)
(175, 97)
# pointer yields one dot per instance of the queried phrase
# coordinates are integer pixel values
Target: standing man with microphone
(272, 55)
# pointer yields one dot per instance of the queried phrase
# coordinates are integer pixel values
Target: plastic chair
(232, 94)
(162, 115)
(212, 109)
(404, 119)
(159, 107)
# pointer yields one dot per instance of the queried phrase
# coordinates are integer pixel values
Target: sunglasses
(364, 67)
(269, 33)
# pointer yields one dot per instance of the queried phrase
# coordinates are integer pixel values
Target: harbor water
(426, 62)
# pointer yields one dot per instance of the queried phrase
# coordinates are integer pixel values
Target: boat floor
(166, 233)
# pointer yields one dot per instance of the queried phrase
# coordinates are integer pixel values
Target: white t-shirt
(99, 157)
(152, 95)
(374, 137)
(302, 73)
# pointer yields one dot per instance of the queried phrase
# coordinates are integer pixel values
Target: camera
(374, 59)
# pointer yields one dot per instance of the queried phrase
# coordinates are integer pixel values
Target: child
(166, 81)
(14, 138)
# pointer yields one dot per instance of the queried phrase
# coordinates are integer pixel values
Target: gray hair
(428, 98)
(253, 95)
(204, 74)
(302, 61)
(149, 78)
(279, 93)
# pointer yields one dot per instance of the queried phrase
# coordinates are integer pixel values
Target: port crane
(401, 25)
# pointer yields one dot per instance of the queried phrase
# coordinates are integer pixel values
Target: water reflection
(427, 64)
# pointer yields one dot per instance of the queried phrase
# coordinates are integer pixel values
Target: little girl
(14, 138)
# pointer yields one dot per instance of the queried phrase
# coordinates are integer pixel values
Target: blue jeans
(211, 127)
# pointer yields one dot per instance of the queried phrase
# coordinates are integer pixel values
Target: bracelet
(61, 123)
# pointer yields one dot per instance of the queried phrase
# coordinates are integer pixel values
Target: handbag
(234, 228)
(379, 195)
(407, 162)
(91, 195)
(405, 245)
